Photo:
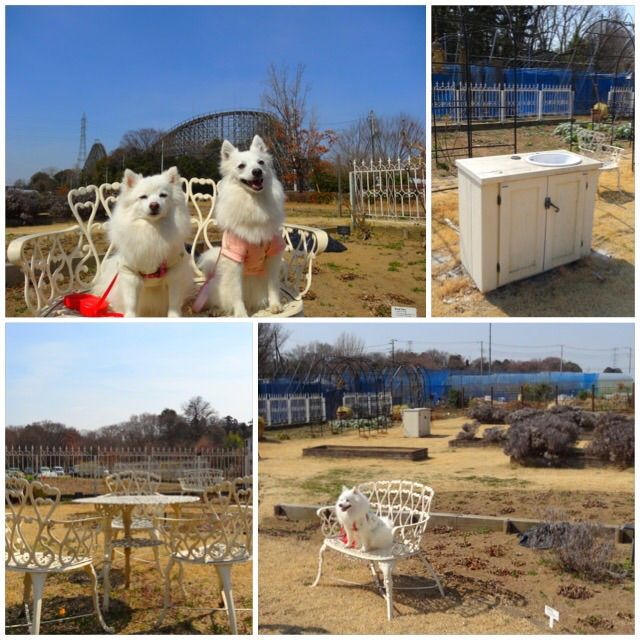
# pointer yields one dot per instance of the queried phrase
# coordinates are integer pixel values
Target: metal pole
(372, 119)
(339, 166)
(561, 357)
(489, 348)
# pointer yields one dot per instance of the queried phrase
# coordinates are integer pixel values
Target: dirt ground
(134, 611)
(600, 285)
(492, 585)
(364, 279)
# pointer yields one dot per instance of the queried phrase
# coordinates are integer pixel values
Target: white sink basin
(554, 159)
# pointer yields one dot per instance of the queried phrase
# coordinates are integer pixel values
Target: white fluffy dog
(364, 529)
(245, 272)
(148, 229)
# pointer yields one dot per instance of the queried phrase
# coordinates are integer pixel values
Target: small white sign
(404, 312)
(552, 614)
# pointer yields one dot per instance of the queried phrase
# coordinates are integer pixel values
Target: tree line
(310, 157)
(197, 426)
(275, 360)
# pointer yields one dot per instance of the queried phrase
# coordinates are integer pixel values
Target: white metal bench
(57, 263)
(407, 504)
(594, 145)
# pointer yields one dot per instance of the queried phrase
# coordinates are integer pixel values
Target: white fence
(96, 463)
(392, 189)
(367, 405)
(292, 410)
(621, 101)
(498, 102)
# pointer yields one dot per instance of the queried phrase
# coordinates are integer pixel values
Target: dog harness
(252, 256)
(151, 279)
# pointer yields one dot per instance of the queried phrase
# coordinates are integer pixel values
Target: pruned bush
(544, 436)
(587, 550)
(484, 413)
(613, 439)
(495, 435)
(522, 414)
(468, 431)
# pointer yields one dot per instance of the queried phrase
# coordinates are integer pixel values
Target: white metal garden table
(110, 506)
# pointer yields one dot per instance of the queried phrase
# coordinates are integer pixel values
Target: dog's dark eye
(163, 195)
(241, 166)
(143, 197)
(260, 161)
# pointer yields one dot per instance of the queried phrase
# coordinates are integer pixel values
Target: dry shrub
(484, 413)
(495, 435)
(543, 436)
(468, 431)
(574, 592)
(587, 550)
(613, 439)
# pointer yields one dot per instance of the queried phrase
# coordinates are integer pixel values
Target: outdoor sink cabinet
(521, 214)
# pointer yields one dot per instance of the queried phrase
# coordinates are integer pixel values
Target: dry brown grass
(486, 592)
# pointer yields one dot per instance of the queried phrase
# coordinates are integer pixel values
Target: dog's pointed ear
(226, 150)
(130, 179)
(172, 175)
(257, 144)
(355, 489)
(344, 488)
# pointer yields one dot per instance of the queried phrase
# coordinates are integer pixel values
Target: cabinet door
(565, 220)
(522, 229)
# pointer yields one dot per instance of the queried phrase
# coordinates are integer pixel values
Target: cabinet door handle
(548, 204)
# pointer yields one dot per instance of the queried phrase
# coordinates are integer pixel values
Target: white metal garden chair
(593, 144)
(37, 544)
(199, 480)
(407, 505)
(137, 483)
(220, 534)
(57, 263)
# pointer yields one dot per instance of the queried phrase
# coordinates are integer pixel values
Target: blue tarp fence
(590, 86)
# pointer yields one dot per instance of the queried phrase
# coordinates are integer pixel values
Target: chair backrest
(199, 479)
(33, 537)
(221, 530)
(133, 483)
(402, 501)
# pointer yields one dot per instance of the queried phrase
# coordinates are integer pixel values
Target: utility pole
(630, 358)
(615, 357)
(489, 348)
(372, 128)
(481, 355)
(393, 351)
(339, 167)
(561, 357)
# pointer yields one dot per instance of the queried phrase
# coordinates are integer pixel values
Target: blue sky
(134, 67)
(91, 374)
(591, 345)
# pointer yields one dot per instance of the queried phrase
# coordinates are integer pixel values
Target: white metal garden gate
(392, 189)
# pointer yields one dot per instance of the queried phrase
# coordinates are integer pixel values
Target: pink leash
(203, 294)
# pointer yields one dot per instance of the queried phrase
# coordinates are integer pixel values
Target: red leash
(91, 306)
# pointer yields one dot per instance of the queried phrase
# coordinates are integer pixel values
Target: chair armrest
(54, 263)
(410, 532)
(303, 245)
(329, 521)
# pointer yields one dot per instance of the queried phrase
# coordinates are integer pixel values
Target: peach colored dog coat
(253, 256)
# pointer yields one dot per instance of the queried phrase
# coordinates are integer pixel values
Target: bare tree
(271, 339)
(394, 137)
(141, 140)
(299, 142)
(349, 345)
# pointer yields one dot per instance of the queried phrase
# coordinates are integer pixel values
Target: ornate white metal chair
(407, 505)
(137, 483)
(37, 544)
(199, 480)
(220, 534)
(593, 144)
(57, 263)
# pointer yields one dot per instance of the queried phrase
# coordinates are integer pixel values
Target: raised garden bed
(578, 459)
(345, 451)
(478, 442)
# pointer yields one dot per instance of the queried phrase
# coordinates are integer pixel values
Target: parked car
(46, 472)
(59, 471)
(28, 471)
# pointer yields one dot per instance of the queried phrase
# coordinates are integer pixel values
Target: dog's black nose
(154, 207)
(257, 173)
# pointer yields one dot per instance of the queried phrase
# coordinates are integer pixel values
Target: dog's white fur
(364, 529)
(149, 226)
(255, 216)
